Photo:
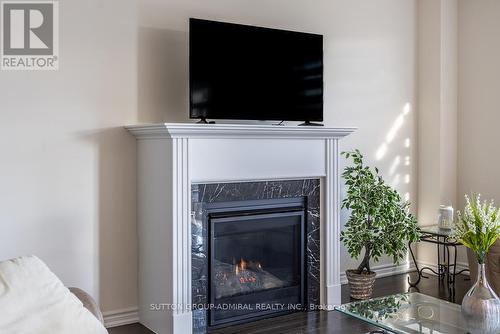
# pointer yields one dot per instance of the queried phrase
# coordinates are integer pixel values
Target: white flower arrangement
(479, 226)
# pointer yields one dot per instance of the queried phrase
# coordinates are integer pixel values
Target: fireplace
(182, 166)
(256, 259)
(255, 250)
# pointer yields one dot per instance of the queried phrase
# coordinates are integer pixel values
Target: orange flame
(242, 265)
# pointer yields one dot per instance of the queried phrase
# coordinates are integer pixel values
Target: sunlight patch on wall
(396, 180)
(381, 151)
(394, 165)
(400, 167)
(407, 142)
(391, 135)
(398, 123)
(407, 108)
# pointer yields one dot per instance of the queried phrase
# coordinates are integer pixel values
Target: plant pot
(361, 285)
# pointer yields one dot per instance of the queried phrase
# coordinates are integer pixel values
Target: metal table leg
(451, 275)
(416, 266)
(443, 262)
(445, 267)
(440, 267)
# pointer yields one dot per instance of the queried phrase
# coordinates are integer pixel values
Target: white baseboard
(121, 317)
(333, 296)
(385, 270)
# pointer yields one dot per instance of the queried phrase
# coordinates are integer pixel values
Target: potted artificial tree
(379, 223)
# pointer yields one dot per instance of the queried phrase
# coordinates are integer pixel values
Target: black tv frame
(307, 122)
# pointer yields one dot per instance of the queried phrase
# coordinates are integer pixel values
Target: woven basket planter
(361, 285)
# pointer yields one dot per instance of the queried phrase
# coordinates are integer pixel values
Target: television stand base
(308, 123)
(203, 120)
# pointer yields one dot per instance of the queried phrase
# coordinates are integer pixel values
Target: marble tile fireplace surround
(257, 240)
(184, 168)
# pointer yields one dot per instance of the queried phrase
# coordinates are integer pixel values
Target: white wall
(67, 181)
(479, 98)
(449, 102)
(369, 68)
(429, 109)
(462, 82)
(437, 113)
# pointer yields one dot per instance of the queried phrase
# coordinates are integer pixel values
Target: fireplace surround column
(181, 236)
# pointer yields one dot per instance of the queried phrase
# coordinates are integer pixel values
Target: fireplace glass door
(256, 264)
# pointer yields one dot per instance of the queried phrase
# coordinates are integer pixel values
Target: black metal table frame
(443, 243)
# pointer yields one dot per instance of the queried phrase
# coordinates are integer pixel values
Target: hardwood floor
(331, 322)
(130, 329)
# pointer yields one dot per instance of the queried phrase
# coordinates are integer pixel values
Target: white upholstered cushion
(34, 301)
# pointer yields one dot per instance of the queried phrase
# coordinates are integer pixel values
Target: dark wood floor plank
(332, 322)
(130, 329)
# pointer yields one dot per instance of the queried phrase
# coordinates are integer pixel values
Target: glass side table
(444, 241)
(408, 313)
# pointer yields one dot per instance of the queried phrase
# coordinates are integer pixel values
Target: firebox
(256, 258)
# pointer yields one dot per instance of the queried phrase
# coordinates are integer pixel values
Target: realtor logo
(29, 36)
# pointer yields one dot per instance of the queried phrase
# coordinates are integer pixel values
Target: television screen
(253, 73)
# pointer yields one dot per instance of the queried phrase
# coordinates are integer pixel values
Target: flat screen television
(252, 73)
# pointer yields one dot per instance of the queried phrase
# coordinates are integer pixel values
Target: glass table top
(436, 230)
(408, 313)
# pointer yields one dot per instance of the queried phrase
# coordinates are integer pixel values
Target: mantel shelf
(194, 130)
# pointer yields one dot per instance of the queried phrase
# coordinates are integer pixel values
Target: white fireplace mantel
(172, 156)
(238, 131)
